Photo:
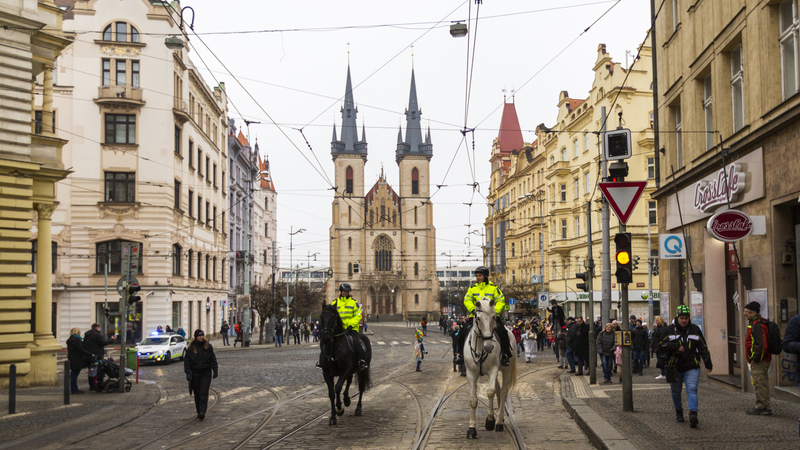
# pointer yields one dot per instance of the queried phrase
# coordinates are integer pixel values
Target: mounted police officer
(485, 288)
(350, 313)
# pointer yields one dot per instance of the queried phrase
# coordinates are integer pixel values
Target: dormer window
(121, 32)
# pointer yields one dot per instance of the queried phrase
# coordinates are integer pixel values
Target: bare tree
(265, 304)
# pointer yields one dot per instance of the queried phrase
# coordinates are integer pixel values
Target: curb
(602, 434)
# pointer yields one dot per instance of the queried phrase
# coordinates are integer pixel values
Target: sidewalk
(723, 423)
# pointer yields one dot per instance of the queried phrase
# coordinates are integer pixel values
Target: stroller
(110, 369)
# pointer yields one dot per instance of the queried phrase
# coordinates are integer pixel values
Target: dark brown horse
(337, 359)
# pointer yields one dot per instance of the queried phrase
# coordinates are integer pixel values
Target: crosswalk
(409, 343)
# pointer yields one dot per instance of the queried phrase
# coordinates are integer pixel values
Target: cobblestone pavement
(723, 422)
(267, 397)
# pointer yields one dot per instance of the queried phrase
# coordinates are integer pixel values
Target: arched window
(266, 204)
(552, 160)
(415, 181)
(199, 266)
(113, 250)
(575, 148)
(416, 299)
(564, 154)
(121, 32)
(348, 175)
(349, 243)
(600, 94)
(208, 259)
(383, 213)
(416, 269)
(224, 264)
(176, 259)
(107, 33)
(415, 243)
(189, 262)
(383, 254)
(214, 268)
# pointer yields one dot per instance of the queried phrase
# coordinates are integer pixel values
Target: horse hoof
(332, 421)
(489, 424)
(340, 412)
(498, 427)
(347, 401)
(472, 433)
(358, 412)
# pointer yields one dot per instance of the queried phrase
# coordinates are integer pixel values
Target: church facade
(383, 241)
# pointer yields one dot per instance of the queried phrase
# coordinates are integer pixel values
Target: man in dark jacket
(572, 330)
(582, 345)
(685, 346)
(279, 334)
(200, 366)
(223, 330)
(756, 350)
(791, 344)
(639, 340)
(78, 358)
(95, 342)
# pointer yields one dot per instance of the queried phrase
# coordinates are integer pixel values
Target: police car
(160, 348)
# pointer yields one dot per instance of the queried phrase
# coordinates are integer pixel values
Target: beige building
(31, 162)
(148, 154)
(383, 242)
(265, 229)
(539, 192)
(728, 115)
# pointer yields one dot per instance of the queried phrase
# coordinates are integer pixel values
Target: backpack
(774, 337)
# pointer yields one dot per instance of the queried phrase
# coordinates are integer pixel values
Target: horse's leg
(490, 391)
(472, 378)
(347, 391)
(502, 389)
(329, 381)
(339, 383)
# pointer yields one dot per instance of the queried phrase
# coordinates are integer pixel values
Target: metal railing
(119, 92)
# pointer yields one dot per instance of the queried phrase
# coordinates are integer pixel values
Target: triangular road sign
(623, 197)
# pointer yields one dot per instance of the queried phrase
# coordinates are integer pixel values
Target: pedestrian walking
(529, 339)
(582, 345)
(791, 345)
(639, 341)
(279, 334)
(655, 345)
(296, 332)
(605, 343)
(572, 329)
(78, 358)
(238, 329)
(424, 324)
(94, 342)
(307, 331)
(223, 330)
(758, 356)
(315, 332)
(419, 349)
(516, 332)
(561, 348)
(618, 358)
(200, 366)
(685, 345)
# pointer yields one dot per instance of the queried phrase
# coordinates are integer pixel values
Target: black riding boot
(505, 343)
(461, 340)
(360, 350)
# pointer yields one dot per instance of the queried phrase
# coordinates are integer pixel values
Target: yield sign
(623, 197)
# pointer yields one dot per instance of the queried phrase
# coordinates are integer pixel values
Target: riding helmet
(482, 270)
(345, 287)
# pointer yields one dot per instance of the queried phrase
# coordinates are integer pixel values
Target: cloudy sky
(285, 64)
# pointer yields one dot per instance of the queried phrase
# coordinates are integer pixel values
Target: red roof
(370, 197)
(266, 182)
(243, 140)
(510, 136)
(574, 103)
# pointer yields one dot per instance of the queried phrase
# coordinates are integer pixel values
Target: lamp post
(291, 262)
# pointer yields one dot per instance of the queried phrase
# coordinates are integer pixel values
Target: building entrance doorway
(732, 310)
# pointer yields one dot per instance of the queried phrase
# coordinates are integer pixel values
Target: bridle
(330, 328)
(479, 358)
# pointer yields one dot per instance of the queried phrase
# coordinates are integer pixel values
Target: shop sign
(730, 226)
(708, 194)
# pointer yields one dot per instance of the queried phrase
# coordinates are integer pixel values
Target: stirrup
(504, 360)
(362, 365)
(458, 359)
(318, 366)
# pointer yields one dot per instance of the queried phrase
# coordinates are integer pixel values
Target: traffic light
(636, 262)
(132, 297)
(623, 257)
(585, 277)
(617, 145)
(617, 171)
(654, 262)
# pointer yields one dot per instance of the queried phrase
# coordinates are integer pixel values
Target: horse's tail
(513, 378)
(364, 378)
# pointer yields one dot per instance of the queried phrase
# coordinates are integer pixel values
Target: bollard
(66, 382)
(12, 389)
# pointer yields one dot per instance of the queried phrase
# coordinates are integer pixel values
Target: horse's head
(329, 323)
(484, 318)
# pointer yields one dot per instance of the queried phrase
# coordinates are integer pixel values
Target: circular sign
(133, 282)
(730, 225)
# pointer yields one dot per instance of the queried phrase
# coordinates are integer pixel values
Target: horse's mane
(337, 319)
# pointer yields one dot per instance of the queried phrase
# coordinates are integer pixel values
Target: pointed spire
(399, 135)
(363, 132)
(413, 117)
(334, 138)
(349, 112)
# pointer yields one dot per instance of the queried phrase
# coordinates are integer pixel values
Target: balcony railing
(119, 94)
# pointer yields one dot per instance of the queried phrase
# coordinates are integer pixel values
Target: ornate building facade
(383, 242)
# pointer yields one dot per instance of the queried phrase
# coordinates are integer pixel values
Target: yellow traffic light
(623, 257)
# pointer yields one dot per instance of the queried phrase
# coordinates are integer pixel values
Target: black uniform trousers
(201, 383)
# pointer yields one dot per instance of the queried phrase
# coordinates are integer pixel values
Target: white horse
(482, 356)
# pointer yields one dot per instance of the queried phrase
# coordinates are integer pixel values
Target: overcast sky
(296, 71)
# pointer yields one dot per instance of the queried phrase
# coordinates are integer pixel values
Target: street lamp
(291, 262)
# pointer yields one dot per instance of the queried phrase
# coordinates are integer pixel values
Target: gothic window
(416, 269)
(349, 215)
(371, 216)
(394, 217)
(416, 299)
(383, 254)
(415, 243)
(349, 243)
(349, 180)
(415, 215)
(415, 182)
(349, 269)
(383, 213)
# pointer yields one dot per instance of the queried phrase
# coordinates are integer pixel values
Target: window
(564, 154)
(577, 226)
(39, 122)
(214, 268)
(134, 34)
(177, 195)
(53, 255)
(416, 269)
(552, 160)
(215, 175)
(586, 141)
(176, 259)
(577, 187)
(675, 17)
(415, 182)
(513, 252)
(651, 168)
(199, 162)
(120, 187)
(208, 216)
(191, 154)
(789, 26)
(415, 243)
(214, 220)
(199, 265)
(200, 208)
(112, 250)
(349, 180)
(678, 137)
(222, 272)
(177, 140)
(708, 111)
(651, 212)
(190, 203)
(122, 32)
(208, 173)
(563, 192)
(120, 129)
(575, 148)
(208, 259)
(222, 178)
(107, 33)
(415, 215)
(266, 203)
(122, 71)
(416, 299)
(135, 74)
(189, 262)
(266, 230)
(349, 243)
(106, 72)
(737, 88)
(222, 223)
(563, 228)
(383, 254)
(587, 182)
(349, 269)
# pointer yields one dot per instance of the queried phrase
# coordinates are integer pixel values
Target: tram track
(217, 398)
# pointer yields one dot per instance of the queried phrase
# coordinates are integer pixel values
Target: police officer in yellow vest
(350, 313)
(485, 288)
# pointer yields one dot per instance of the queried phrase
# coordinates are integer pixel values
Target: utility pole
(273, 319)
(650, 311)
(627, 382)
(105, 297)
(604, 224)
(246, 288)
(590, 315)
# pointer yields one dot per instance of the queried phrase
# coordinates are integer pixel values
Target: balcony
(127, 96)
(180, 108)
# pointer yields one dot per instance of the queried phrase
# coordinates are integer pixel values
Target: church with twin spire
(382, 240)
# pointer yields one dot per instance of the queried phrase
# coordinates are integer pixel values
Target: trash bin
(131, 357)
